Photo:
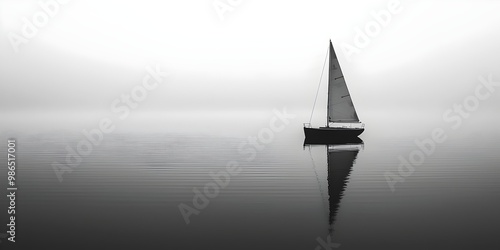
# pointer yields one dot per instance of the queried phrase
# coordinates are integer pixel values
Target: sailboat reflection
(340, 160)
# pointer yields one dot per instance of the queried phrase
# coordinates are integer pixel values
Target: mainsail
(340, 106)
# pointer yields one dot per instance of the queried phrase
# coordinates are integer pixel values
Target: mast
(328, 92)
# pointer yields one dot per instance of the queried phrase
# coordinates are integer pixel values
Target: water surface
(127, 193)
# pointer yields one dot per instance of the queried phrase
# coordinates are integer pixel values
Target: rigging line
(319, 183)
(317, 91)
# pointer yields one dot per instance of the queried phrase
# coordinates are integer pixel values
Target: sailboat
(342, 120)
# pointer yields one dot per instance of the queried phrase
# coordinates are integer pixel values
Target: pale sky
(261, 55)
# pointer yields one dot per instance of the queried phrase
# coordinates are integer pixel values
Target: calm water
(127, 193)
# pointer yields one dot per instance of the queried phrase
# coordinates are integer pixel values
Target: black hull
(327, 135)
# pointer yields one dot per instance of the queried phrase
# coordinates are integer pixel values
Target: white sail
(340, 106)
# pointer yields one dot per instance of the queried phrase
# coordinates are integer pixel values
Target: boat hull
(332, 135)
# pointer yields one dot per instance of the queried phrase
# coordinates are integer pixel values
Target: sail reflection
(340, 160)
